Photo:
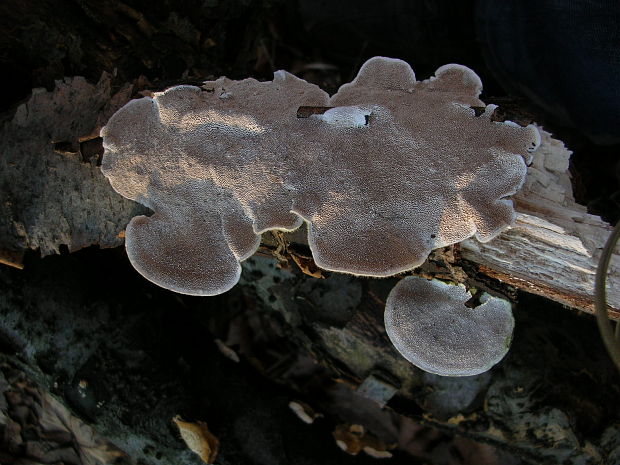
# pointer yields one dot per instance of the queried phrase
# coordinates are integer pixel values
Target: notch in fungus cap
(395, 169)
(430, 325)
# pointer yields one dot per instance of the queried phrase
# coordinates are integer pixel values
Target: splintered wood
(552, 249)
(554, 246)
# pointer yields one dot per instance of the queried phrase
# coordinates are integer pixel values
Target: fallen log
(55, 196)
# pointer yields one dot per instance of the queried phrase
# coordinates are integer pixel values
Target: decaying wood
(54, 194)
(307, 111)
(128, 356)
(339, 320)
(554, 247)
(52, 191)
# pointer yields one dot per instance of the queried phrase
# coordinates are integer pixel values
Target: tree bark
(552, 250)
(96, 363)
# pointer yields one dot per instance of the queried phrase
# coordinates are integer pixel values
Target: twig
(307, 111)
(600, 297)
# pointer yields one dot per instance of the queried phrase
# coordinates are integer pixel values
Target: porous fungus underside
(430, 325)
(396, 169)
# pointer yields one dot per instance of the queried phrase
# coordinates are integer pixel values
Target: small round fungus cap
(430, 325)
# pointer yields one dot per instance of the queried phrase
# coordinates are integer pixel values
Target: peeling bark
(552, 250)
(52, 192)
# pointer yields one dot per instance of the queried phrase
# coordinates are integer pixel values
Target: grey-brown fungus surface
(430, 325)
(394, 170)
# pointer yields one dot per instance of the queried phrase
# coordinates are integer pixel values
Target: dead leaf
(307, 266)
(354, 439)
(198, 439)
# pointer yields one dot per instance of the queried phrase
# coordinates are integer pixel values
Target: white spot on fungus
(429, 324)
(394, 170)
(345, 117)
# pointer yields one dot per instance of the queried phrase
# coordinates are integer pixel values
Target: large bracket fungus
(397, 168)
(430, 325)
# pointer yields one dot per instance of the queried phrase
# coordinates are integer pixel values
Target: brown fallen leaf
(354, 439)
(307, 266)
(198, 439)
(303, 411)
(11, 258)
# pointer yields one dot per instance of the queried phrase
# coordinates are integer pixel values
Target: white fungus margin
(397, 168)
(430, 325)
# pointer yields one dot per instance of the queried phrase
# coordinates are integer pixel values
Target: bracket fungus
(430, 325)
(396, 168)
